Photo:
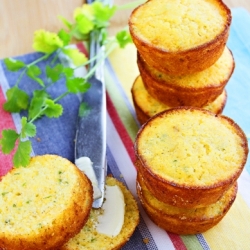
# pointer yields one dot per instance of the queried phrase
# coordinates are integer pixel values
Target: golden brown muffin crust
(46, 204)
(190, 161)
(182, 220)
(168, 57)
(147, 106)
(197, 89)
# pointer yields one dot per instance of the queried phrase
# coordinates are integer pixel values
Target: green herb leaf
(102, 13)
(33, 72)
(22, 156)
(64, 36)
(123, 38)
(13, 65)
(77, 84)
(46, 42)
(54, 73)
(65, 22)
(17, 100)
(84, 25)
(76, 56)
(68, 72)
(8, 140)
(37, 103)
(83, 109)
(52, 109)
(28, 129)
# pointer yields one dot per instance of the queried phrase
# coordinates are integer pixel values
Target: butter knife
(90, 138)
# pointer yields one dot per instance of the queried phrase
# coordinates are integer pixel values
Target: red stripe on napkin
(82, 48)
(177, 241)
(127, 141)
(6, 122)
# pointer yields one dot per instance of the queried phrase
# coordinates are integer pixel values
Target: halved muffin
(184, 220)
(180, 37)
(189, 157)
(90, 238)
(147, 106)
(197, 89)
(44, 204)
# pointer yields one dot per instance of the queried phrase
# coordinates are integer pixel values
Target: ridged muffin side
(182, 220)
(43, 205)
(197, 89)
(147, 106)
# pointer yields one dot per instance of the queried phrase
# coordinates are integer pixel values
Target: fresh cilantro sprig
(87, 18)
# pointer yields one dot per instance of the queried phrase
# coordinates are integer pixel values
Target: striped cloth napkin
(56, 136)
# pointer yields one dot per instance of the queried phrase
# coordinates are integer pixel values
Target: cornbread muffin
(197, 89)
(176, 36)
(189, 157)
(182, 220)
(147, 106)
(89, 238)
(44, 204)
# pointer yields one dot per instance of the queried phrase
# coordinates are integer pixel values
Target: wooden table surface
(19, 20)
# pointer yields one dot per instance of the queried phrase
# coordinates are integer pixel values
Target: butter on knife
(86, 166)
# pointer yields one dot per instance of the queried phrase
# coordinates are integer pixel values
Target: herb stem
(20, 76)
(38, 114)
(61, 96)
(56, 56)
(101, 59)
(30, 64)
(39, 60)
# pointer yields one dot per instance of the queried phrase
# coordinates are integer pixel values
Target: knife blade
(90, 138)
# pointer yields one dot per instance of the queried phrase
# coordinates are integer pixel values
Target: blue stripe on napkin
(238, 87)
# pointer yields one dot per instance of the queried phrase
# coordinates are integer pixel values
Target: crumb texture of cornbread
(189, 146)
(183, 220)
(175, 25)
(147, 106)
(89, 238)
(44, 204)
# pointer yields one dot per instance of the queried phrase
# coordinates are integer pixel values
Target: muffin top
(174, 25)
(191, 146)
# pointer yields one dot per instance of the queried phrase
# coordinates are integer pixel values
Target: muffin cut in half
(44, 204)
(197, 89)
(180, 37)
(183, 220)
(90, 238)
(189, 157)
(147, 106)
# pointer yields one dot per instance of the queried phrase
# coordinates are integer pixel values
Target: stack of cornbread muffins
(182, 55)
(189, 156)
(188, 162)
